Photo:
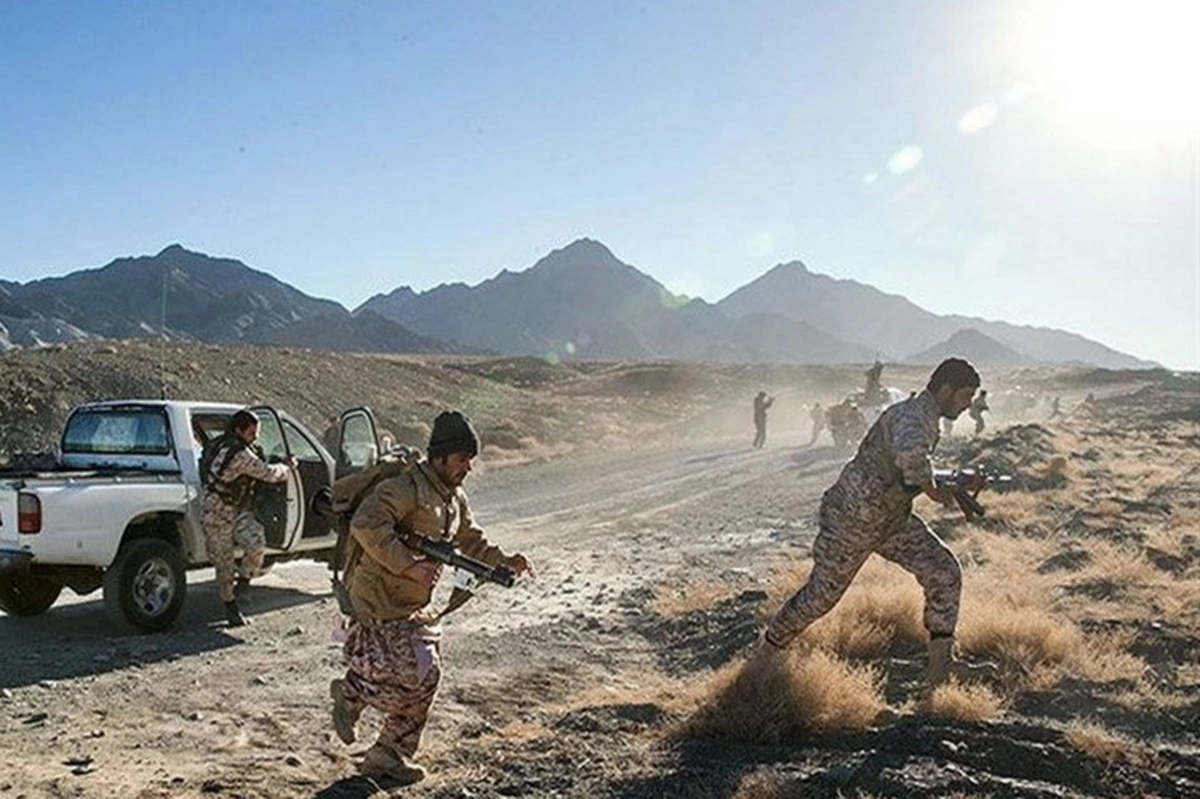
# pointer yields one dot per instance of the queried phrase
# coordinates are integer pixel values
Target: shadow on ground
(79, 639)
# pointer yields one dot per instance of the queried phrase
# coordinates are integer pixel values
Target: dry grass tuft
(1104, 744)
(1020, 632)
(767, 786)
(965, 702)
(677, 600)
(778, 697)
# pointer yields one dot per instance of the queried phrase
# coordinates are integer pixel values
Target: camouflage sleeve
(246, 463)
(471, 542)
(373, 526)
(912, 446)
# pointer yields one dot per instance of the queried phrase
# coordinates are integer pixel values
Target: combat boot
(381, 762)
(233, 615)
(943, 665)
(345, 712)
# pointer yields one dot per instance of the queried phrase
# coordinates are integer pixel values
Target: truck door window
(270, 438)
(302, 449)
(358, 443)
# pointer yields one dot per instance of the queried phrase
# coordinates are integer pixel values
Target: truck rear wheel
(145, 585)
(28, 594)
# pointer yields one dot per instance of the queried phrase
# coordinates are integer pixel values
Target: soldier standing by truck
(229, 470)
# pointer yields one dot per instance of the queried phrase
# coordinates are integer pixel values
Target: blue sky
(1036, 162)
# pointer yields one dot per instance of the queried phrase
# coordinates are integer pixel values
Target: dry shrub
(645, 686)
(776, 697)
(1120, 566)
(965, 702)
(1105, 659)
(1016, 510)
(1018, 631)
(1104, 744)
(1145, 695)
(521, 731)
(676, 600)
(767, 786)
(881, 606)
(1188, 675)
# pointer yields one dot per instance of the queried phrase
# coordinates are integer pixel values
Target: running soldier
(392, 650)
(869, 510)
(978, 407)
(229, 469)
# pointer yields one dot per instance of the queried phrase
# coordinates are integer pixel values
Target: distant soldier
(1056, 407)
(978, 407)
(818, 422)
(762, 401)
(856, 425)
(874, 395)
(846, 424)
(869, 510)
(229, 470)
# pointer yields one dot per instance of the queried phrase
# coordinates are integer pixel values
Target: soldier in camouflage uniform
(392, 649)
(869, 510)
(227, 512)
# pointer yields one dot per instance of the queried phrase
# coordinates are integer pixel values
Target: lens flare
(905, 159)
(978, 118)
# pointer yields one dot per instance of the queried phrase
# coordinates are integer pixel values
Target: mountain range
(576, 302)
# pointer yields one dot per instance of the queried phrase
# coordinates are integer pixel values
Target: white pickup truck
(120, 509)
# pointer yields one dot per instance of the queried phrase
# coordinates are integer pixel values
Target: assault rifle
(966, 485)
(445, 552)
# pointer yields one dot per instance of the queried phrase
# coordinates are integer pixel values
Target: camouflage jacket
(876, 488)
(232, 478)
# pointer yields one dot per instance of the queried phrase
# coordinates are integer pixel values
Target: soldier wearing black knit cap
(393, 654)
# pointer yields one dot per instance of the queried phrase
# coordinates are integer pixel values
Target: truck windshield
(118, 431)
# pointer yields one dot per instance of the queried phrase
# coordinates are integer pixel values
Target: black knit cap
(452, 432)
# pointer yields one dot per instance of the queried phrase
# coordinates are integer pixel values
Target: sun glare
(1119, 70)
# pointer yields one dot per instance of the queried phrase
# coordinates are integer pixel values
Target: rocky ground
(659, 538)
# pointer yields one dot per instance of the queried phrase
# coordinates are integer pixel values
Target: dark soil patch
(703, 639)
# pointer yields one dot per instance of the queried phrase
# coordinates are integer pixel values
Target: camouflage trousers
(394, 667)
(843, 545)
(225, 528)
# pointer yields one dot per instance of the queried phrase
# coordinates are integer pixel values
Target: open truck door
(278, 506)
(357, 445)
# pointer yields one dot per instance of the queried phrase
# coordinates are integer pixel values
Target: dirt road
(202, 710)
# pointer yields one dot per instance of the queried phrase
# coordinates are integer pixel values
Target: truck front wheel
(145, 585)
(28, 594)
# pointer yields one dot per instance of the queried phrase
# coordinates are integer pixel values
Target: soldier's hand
(943, 495)
(974, 482)
(519, 564)
(426, 572)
